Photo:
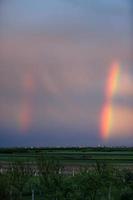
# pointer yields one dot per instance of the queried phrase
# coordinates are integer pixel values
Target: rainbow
(106, 120)
(26, 107)
(25, 117)
(112, 81)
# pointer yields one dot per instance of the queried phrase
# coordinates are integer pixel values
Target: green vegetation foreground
(47, 182)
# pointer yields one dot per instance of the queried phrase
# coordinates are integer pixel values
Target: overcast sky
(55, 57)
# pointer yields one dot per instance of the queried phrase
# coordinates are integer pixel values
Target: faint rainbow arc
(26, 107)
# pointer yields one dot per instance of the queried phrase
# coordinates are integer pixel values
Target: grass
(72, 156)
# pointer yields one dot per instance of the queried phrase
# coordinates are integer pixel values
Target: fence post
(33, 195)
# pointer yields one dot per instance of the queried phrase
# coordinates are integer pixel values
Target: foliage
(47, 179)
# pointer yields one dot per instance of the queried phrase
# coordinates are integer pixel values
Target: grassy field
(69, 156)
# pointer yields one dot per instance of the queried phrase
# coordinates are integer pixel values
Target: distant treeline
(53, 149)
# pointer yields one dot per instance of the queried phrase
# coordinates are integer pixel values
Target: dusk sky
(66, 72)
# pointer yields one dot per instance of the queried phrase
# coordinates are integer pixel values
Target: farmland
(121, 157)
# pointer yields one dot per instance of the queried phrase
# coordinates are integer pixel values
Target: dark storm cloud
(55, 57)
(50, 137)
(66, 75)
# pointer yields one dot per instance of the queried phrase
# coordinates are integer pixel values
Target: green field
(69, 156)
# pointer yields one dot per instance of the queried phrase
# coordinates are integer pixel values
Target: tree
(18, 175)
(51, 181)
(4, 187)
